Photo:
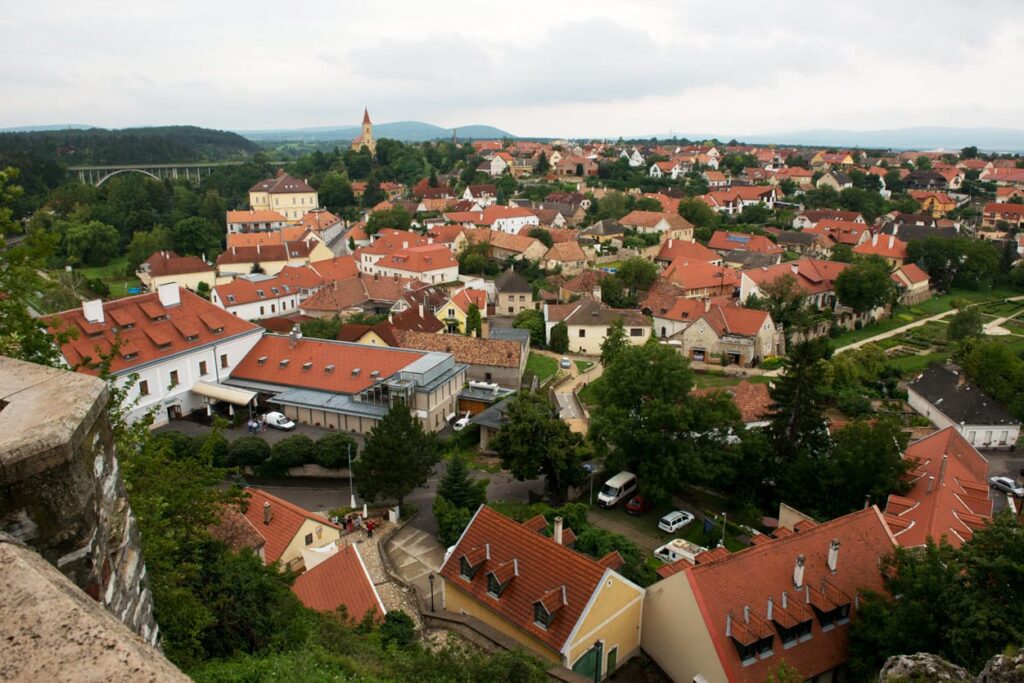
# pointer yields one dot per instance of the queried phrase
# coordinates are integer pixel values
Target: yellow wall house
(166, 266)
(287, 529)
(288, 196)
(565, 607)
(454, 312)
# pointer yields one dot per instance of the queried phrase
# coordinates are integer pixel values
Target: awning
(240, 397)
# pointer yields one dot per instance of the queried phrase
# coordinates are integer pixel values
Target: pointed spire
(366, 116)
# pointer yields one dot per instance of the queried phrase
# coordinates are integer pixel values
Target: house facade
(732, 335)
(589, 322)
(286, 195)
(514, 294)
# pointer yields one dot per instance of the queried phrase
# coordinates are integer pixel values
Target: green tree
(786, 301)
(9, 196)
(559, 342)
(196, 237)
(866, 460)
(865, 285)
(397, 458)
(396, 218)
(534, 441)
(248, 451)
(335, 192)
(333, 450)
(474, 323)
(23, 335)
(532, 320)
(966, 322)
(459, 488)
(543, 165)
(615, 342)
(842, 253)
(372, 194)
(543, 235)
(637, 275)
(996, 369)
(451, 520)
(291, 451)
(91, 244)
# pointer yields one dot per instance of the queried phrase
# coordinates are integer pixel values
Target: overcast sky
(531, 67)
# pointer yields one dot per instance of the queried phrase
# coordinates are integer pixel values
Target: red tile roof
(340, 580)
(693, 276)
(813, 275)
(337, 268)
(420, 259)
(285, 521)
(464, 297)
(289, 281)
(507, 547)
(263, 253)
(913, 273)
(565, 252)
(752, 400)
(684, 310)
(725, 588)
(353, 332)
(745, 322)
(690, 251)
(163, 263)
(741, 241)
(148, 331)
(470, 350)
(650, 219)
(318, 219)
(888, 246)
(342, 358)
(251, 216)
(958, 500)
(341, 295)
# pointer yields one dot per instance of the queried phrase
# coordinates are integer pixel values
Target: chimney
(798, 571)
(771, 604)
(169, 294)
(93, 310)
(892, 241)
(785, 600)
(942, 470)
(931, 483)
(795, 268)
(422, 313)
(267, 513)
(833, 555)
(867, 500)
(874, 240)
(405, 244)
(670, 244)
(558, 530)
(294, 336)
(707, 305)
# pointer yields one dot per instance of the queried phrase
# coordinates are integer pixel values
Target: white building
(176, 345)
(258, 296)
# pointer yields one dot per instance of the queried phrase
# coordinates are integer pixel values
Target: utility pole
(351, 485)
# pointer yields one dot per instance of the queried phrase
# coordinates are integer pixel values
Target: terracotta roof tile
(470, 350)
(164, 263)
(250, 216)
(285, 521)
(729, 241)
(752, 400)
(340, 580)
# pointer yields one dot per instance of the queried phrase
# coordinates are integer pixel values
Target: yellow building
(563, 606)
(286, 195)
(366, 139)
(166, 266)
(285, 529)
(455, 311)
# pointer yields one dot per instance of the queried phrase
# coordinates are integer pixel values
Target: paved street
(1004, 463)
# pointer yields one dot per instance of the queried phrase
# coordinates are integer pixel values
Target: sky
(600, 68)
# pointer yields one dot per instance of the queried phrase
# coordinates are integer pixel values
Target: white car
(279, 421)
(1007, 485)
(674, 521)
(565, 363)
(461, 423)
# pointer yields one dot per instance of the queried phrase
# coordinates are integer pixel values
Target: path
(569, 407)
(996, 329)
(916, 323)
(394, 595)
(416, 555)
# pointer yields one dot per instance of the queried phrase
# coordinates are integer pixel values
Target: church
(366, 139)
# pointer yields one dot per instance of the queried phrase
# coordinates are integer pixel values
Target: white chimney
(405, 244)
(874, 240)
(267, 513)
(169, 294)
(931, 483)
(942, 470)
(93, 310)
(833, 555)
(795, 268)
(798, 571)
(892, 241)
(558, 530)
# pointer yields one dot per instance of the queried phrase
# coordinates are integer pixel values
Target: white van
(618, 488)
(679, 549)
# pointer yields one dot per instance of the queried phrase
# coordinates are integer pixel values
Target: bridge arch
(126, 170)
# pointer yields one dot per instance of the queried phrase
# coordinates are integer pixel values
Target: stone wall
(61, 491)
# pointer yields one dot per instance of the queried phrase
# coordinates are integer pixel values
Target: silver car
(1007, 485)
(674, 521)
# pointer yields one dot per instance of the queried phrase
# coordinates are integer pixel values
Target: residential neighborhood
(396, 401)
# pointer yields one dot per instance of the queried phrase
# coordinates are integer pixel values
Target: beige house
(567, 256)
(286, 195)
(732, 335)
(566, 608)
(589, 322)
(913, 284)
(166, 266)
(271, 258)
(514, 294)
(285, 528)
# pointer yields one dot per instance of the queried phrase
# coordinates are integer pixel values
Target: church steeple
(366, 117)
(366, 138)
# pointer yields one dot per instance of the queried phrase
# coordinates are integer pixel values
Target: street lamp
(598, 647)
(351, 485)
(431, 579)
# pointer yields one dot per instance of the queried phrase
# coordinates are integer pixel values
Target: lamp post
(598, 647)
(351, 485)
(431, 579)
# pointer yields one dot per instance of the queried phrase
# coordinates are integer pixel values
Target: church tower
(366, 138)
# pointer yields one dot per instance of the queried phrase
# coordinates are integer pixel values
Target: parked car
(679, 549)
(279, 421)
(461, 423)
(674, 521)
(638, 505)
(1007, 485)
(565, 363)
(617, 489)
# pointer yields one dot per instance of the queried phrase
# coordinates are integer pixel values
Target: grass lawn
(588, 393)
(583, 365)
(647, 524)
(914, 364)
(113, 276)
(541, 366)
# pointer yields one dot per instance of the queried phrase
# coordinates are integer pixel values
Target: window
(636, 332)
(202, 367)
(174, 378)
(494, 587)
(223, 360)
(466, 570)
(583, 333)
(522, 297)
(143, 388)
(261, 310)
(309, 539)
(541, 616)
(487, 377)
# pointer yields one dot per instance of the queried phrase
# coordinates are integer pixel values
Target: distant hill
(164, 144)
(406, 131)
(59, 126)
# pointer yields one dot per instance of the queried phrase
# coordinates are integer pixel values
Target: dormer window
(262, 360)
(260, 293)
(231, 298)
(495, 587)
(467, 570)
(541, 617)
(284, 363)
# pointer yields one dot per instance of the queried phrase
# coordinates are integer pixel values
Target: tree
(699, 214)
(335, 192)
(842, 253)
(966, 322)
(559, 338)
(543, 235)
(997, 370)
(866, 285)
(799, 397)
(543, 165)
(372, 194)
(398, 629)
(397, 458)
(333, 450)
(395, 218)
(196, 237)
(9, 195)
(923, 163)
(786, 301)
(532, 320)
(534, 441)
(614, 343)
(146, 243)
(459, 488)
(91, 244)
(866, 460)
(637, 274)
(23, 335)
(474, 323)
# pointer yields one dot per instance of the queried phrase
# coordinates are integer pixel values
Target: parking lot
(1006, 464)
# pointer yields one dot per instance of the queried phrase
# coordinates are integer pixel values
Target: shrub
(331, 450)
(248, 451)
(292, 451)
(451, 520)
(834, 331)
(771, 363)
(857, 324)
(397, 629)
(851, 402)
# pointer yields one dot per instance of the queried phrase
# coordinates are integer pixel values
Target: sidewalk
(416, 555)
